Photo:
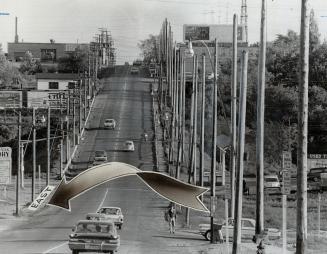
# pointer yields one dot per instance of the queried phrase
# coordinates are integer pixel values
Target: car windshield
(99, 153)
(110, 211)
(271, 180)
(109, 121)
(94, 228)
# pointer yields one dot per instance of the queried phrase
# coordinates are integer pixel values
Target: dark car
(315, 174)
(94, 236)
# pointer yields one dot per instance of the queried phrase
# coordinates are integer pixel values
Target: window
(53, 85)
(48, 54)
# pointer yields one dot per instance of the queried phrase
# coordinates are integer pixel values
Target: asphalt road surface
(126, 99)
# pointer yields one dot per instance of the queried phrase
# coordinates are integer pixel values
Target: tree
(75, 62)
(9, 75)
(314, 35)
(149, 49)
(30, 65)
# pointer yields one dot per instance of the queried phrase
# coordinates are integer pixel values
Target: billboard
(41, 99)
(317, 161)
(5, 165)
(10, 99)
(196, 33)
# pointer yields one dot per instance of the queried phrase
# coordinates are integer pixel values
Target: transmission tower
(244, 18)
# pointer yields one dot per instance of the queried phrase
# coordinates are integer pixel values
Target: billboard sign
(196, 33)
(41, 99)
(10, 99)
(5, 165)
(317, 161)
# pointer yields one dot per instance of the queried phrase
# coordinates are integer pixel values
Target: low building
(56, 81)
(45, 52)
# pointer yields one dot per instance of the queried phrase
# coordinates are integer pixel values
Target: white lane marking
(53, 248)
(104, 198)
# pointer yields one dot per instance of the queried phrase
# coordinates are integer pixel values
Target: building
(56, 81)
(45, 52)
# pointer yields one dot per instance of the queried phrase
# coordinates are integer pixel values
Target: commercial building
(45, 52)
(56, 81)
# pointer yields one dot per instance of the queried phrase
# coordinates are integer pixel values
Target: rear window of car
(94, 228)
(318, 170)
(109, 120)
(112, 211)
(271, 179)
(99, 153)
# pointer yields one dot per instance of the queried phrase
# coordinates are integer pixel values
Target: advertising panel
(317, 161)
(43, 99)
(5, 165)
(10, 99)
(196, 33)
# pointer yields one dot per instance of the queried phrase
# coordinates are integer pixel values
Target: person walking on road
(172, 218)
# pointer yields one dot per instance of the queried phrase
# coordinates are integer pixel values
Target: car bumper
(93, 247)
(109, 126)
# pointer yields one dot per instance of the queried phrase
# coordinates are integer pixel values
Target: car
(271, 181)
(113, 213)
(248, 229)
(94, 236)
(134, 70)
(100, 157)
(96, 217)
(129, 146)
(110, 124)
(315, 174)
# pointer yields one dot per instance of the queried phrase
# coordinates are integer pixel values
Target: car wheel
(208, 235)
(75, 252)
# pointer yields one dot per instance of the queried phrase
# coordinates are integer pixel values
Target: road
(126, 99)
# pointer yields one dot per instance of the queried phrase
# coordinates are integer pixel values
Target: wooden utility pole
(195, 121)
(19, 133)
(214, 145)
(301, 218)
(203, 91)
(240, 152)
(259, 226)
(233, 117)
(34, 154)
(48, 145)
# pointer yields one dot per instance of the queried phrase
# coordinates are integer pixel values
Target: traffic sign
(5, 165)
(287, 165)
(39, 201)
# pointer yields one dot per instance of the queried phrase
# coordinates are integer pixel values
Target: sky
(133, 20)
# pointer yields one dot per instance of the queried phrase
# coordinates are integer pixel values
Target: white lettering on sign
(287, 165)
(39, 201)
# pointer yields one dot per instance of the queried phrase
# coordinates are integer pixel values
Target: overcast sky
(132, 20)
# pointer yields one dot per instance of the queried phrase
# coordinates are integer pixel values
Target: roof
(63, 76)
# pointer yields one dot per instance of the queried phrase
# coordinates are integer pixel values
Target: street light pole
(18, 162)
(214, 142)
(34, 154)
(202, 118)
(48, 146)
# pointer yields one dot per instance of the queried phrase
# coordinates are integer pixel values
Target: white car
(271, 181)
(129, 146)
(113, 214)
(110, 124)
(100, 157)
(248, 229)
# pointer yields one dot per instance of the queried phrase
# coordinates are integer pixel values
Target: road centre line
(104, 198)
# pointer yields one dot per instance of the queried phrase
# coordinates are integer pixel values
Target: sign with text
(317, 161)
(10, 99)
(5, 165)
(286, 169)
(41, 99)
(39, 201)
(228, 194)
(196, 32)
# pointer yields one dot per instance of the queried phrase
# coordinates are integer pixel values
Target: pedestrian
(172, 218)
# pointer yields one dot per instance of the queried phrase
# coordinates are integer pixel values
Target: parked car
(94, 236)
(114, 214)
(110, 124)
(134, 70)
(129, 146)
(96, 217)
(100, 157)
(271, 181)
(247, 231)
(315, 174)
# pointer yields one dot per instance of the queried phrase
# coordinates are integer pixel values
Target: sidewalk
(183, 235)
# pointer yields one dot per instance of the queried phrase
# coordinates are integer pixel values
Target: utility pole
(48, 146)
(259, 225)
(214, 147)
(61, 138)
(191, 122)
(202, 119)
(74, 122)
(195, 120)
(233, 117)
(301, 212)
(19, 133)
(240, 151)
(34, 154)
(85, 97)
(67, 129)
(80, 112)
